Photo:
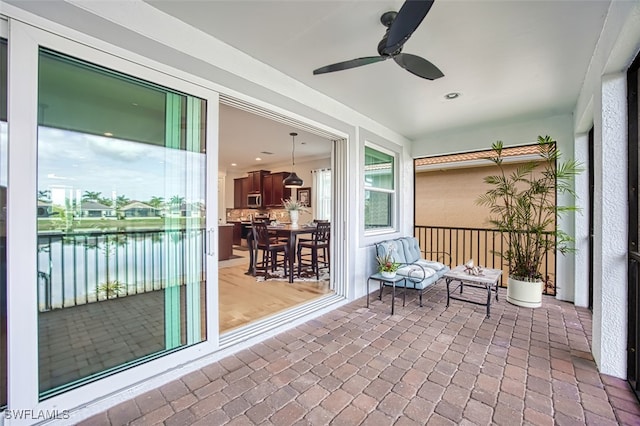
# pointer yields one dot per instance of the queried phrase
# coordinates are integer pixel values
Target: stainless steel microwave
(254, 200)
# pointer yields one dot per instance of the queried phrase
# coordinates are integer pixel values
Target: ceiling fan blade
(418, 66)
(408, 19)
(353, 63)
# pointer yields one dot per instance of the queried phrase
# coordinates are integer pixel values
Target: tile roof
(478, 155)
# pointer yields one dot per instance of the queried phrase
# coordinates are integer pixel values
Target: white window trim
(370, 140)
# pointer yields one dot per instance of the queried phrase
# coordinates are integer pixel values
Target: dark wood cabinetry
(273, 189)
(268, 184)
(237, 233)
(225, 237)
(240, 191)
(255, 180)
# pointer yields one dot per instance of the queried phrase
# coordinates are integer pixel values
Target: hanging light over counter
(293, 181)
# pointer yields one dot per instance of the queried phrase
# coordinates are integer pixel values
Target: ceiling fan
(400, 25)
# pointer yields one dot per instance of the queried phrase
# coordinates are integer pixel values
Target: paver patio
(431, 365)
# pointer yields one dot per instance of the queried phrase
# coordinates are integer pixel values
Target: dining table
(281, 230)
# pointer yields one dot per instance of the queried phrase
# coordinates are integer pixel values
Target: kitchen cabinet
(255, 180)
(273, 189)
(237, 233)
(225, 237)
(240, 191)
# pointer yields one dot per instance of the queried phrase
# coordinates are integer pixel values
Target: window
(379, 193)
(322, 186)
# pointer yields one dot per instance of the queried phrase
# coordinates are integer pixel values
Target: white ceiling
(245, 136)
(510, 58)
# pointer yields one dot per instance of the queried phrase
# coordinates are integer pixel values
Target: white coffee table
(487, 280)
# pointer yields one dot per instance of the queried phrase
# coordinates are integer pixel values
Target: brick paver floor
(429, 365)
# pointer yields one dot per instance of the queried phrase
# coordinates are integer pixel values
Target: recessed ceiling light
(258, 159)
(452, 95)
(234, 164)
(108, 134)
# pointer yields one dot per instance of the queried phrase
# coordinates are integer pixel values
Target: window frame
(393, 225)
(23, 384)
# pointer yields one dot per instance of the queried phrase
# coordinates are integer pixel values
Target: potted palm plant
(523, 207)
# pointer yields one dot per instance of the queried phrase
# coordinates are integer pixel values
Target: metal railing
(87, 267)
(479, 244)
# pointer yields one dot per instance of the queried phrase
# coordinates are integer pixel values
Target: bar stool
(270, 247)
(319, 246)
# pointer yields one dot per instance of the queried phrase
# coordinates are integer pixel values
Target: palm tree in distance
(176, 200)
(106, 201)
(91, 196)
(122, 200)
(156, 202)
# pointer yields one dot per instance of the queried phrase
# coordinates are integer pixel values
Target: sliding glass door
(3, 222)
(121, 207)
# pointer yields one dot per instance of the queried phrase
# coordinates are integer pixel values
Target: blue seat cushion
(414, 283)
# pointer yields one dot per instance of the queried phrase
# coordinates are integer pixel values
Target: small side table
(486, 281)
(391, 282)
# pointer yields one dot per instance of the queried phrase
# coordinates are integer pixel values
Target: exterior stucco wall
(602, 105)
(610, 214)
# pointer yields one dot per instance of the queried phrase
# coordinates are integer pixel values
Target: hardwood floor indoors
(243, 299)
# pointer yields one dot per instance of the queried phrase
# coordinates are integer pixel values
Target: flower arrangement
(293, 205)
(386, 263)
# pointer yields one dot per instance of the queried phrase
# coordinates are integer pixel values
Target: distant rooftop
(479, 155)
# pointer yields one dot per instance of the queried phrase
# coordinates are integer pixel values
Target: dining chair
(319, 249)
(270, 247)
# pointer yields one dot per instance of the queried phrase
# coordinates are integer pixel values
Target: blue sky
(71, 163)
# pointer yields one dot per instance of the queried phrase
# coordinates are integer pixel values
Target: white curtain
(322, 194)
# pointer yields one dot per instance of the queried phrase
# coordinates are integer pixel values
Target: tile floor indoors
(431, 365)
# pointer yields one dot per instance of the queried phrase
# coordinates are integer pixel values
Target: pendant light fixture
(293, 181)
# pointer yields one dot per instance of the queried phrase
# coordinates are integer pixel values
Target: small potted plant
(523, 207)
(387, 266)
(294, 207)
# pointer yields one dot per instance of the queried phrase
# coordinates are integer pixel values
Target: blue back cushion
(395, 247)
(411, 249)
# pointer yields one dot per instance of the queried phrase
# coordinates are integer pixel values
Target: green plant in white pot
(294, 207)
(523, 207)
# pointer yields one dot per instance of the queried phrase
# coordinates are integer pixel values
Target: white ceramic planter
(388, 274)
(294, 215)
(524, 293)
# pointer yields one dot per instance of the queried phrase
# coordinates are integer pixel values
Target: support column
(611, 224)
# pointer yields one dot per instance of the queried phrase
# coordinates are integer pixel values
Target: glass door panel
(3, 222)
(121, 219)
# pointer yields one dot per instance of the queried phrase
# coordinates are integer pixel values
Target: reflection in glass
(121, 189)
(3, 223)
